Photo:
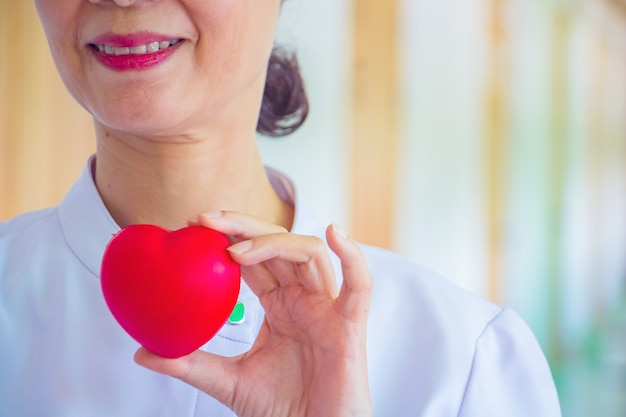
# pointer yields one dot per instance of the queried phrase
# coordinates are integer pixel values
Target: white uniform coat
(433, 349)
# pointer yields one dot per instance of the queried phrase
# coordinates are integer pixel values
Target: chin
(141, 120)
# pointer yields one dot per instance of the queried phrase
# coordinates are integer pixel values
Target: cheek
(58, 19)
(239, 25)
(69, 64)
(243, 36)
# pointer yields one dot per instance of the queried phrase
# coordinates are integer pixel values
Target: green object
(238, 315)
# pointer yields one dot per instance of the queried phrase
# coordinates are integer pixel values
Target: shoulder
(509, 375)
(26, 224)
(445, 347)
(26, 234)
(410, 300)
(401, 283)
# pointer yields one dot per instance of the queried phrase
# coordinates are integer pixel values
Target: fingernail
(339, 231)
(241, 247)
(212, 214)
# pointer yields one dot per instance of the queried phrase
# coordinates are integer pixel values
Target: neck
(167, 182)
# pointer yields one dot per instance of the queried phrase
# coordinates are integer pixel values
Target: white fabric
(433, 349)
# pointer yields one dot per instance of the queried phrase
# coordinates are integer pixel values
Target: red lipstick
(135, 52)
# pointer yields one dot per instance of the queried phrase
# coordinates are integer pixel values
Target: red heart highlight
(171, 291)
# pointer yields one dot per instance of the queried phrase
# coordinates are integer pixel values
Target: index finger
(238, 225)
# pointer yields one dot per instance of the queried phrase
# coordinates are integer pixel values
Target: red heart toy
(171, 291)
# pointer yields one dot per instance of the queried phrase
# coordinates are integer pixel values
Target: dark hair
(285, 104)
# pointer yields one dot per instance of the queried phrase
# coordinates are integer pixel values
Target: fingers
(238, 225)
(355, 294)
(291, 259)
(273, 257)
(278, 258)
(218, 382)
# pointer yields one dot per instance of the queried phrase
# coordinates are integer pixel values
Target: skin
(178, 140)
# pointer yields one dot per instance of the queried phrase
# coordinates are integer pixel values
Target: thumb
(355, 294)
(212, 374)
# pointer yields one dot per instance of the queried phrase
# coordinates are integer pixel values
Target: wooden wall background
(45, 137)
(375, 120)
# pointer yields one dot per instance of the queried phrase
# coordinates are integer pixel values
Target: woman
(175, 89)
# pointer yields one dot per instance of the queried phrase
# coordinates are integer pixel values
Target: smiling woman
(176, 148)
(28, 85)
(214, 37)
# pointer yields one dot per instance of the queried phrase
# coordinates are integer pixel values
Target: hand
(309, 358)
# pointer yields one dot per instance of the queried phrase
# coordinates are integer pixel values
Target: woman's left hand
(309, 358)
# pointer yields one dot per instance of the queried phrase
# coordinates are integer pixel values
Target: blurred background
(485, 139)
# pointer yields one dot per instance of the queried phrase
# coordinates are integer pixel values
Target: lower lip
(135, 62)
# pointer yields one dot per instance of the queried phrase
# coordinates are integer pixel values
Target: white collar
(88, 226)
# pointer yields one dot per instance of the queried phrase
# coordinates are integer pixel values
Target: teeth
(136, 50)
(153, 47)
(121, 51)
